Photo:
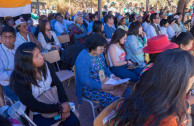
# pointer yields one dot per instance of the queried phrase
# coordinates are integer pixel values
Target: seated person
(32, 77)
(184, 40)
(48, 38)
(7, 52)
(31, 27)
(23, 35)
(116, 56)
(78, 32)
(168, 106)
(91, 72)
(170, 30)
(61, 25)
(98, 27)
(164, 25)
(108, 29)
(94, 17)
(122, 23)
(155, 46)
(134, 44)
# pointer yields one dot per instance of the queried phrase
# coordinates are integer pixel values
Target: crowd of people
(154, 50)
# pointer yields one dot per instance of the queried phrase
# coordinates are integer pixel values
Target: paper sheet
(116, 82)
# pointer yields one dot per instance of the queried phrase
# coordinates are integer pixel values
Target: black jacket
(25, 95)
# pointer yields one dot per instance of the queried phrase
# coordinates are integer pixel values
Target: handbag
(118, 90)
(49, 97)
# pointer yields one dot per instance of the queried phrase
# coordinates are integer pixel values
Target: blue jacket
(83, 79)
(134, 46)
(109, 31)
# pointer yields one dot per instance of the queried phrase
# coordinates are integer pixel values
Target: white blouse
(120, 55)
(44, 85)
(43, 42)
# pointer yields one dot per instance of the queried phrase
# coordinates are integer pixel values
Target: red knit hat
(158, 44)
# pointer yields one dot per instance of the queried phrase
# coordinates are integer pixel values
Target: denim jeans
(71, 121)
(122, 72)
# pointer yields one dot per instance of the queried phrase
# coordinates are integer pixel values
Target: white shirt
(43, 42)
(177, 28)
(20, 40)
(145, 26)
(44, 85)
(59, 28)
(6, 64)
(120, 55)
(151, 32)
(164, 31)
(171, 32)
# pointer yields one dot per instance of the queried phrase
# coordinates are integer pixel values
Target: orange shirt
(168, 121)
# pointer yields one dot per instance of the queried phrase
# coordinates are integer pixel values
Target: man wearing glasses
(154, 28)
(7, 52)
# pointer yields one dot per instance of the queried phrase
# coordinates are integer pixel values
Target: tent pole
(99, 10)
(147, 5)
(37, 5)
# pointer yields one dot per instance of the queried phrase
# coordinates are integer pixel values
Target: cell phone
(57, 118)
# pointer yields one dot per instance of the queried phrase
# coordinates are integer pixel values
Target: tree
(182, 6)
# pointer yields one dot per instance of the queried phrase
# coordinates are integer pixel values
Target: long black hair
(161, 92)
(118, 34)
(134, 28)
(97, 27)
(24, 71)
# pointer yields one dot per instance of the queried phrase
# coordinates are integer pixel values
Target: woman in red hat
(155, 46)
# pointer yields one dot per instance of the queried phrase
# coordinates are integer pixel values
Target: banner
(14, 7)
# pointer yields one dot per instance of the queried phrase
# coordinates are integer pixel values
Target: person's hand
(106, 87)
(65, 116)
(116, 78)
(66, 107)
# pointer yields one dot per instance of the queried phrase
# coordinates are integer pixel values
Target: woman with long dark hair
(98, 27)
(134, 44)
(116, 56)
(48, 38)
(161, 101)
(31, 78)
(146, 21)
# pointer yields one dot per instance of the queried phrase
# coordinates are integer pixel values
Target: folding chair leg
(78, 107)
(93, 111)
(69, 82)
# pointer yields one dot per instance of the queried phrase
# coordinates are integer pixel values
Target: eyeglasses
(101, 49)
(9, 37)
(157, 18)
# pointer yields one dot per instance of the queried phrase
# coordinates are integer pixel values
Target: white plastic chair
(53, 57)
